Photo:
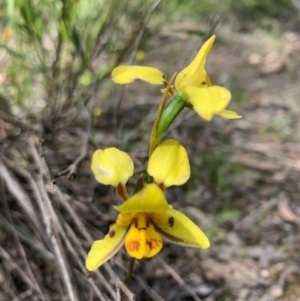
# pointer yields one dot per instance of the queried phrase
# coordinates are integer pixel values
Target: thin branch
(141, 32)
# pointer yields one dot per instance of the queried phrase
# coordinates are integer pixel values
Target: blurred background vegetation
(58, 104)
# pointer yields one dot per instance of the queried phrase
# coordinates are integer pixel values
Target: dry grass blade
(12, 265)
(19, 194)
(179, 279)
(51, 221)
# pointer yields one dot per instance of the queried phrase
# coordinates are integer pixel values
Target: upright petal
(208, 101)
(149, 199)
(111, 166)
(142, 239)
(102, 250)
(127, 74)
(194, 74)
(169, 164)
(179, 229)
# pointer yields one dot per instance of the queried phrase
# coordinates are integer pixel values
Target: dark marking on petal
(171, 221)
(111, 233)
(153, 243)
(162, 186)
(203, 83)
(133, 245)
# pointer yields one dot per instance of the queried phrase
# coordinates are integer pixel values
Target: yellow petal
(127, 74)
(103, 250)
(169, 164)
(111, 166)
(208, 81)
(208, 101)
(229, 114)
(142, 239)
(149, 199)
(179, 229)
(194, 74)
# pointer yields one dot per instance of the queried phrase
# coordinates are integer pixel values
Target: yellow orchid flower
(193, 80)
(145, 216)
(168, 165)
(142, 220)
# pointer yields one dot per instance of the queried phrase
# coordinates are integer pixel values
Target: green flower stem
(170, 113)
(154, 141)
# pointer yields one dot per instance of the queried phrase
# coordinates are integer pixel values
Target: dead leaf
(286, 212)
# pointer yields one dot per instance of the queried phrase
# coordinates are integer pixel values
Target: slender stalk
(154, 138)
(130, 270)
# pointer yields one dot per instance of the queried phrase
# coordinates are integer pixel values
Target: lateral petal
(208, 101)
(111, 166)
(179, 229)
(149, 199)
(127, 74)
(102, 250)
(229, 114)
(169, 164)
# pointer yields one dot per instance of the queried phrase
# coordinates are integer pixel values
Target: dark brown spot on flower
(203, 83)
(153, 243)
(171, 221)
(111, 233)
(162, 186)
(133, 245)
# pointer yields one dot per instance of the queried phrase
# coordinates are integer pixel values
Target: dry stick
(37, 197)
(25, 174)
(119, 283)
(16, 238)
(36, 194)
(179, 279)
(150, 291)
(64, 201)
(75, 254)
(36, 245)
(50, 219)
(116, 279)
(138, 39)
(281, 282)
(91, 282)
(19, 194)
(19, 270)
(24, 295)
(11, 119)
(5, 283)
